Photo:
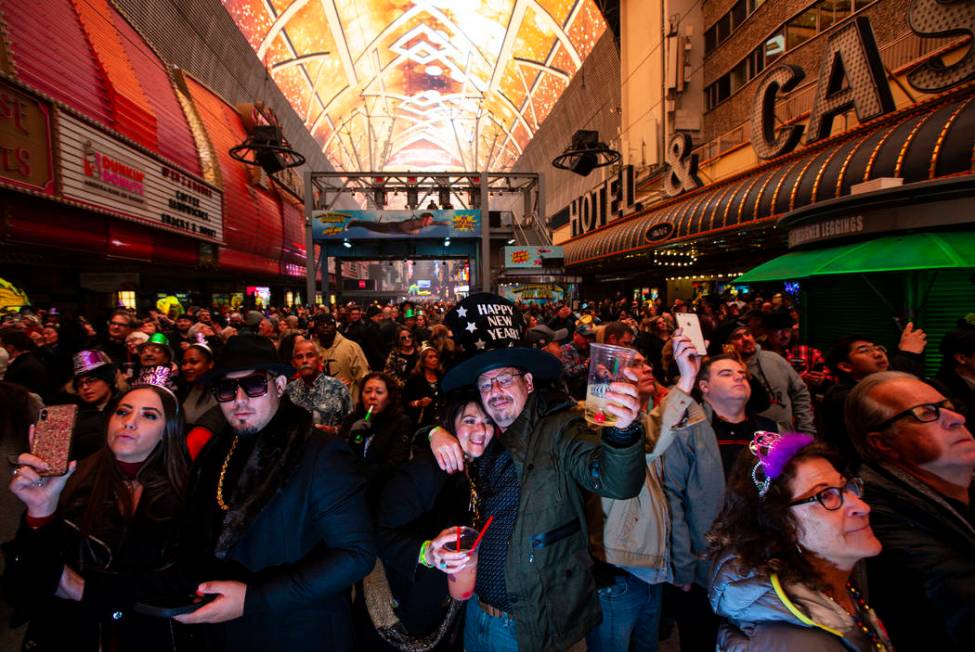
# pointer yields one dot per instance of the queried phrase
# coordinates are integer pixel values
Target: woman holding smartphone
(111, 516)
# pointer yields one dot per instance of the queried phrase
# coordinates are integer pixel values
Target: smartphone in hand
(690, 326)
(52, 437)
(174, 607)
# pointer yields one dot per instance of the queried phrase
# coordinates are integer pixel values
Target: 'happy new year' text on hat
(487, 330)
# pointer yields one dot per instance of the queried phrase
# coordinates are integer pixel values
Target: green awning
(892, 253)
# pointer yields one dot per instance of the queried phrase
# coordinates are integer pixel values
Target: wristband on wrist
(430, 434)
(423, 554)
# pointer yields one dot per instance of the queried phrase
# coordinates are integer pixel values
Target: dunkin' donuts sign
(113, 176)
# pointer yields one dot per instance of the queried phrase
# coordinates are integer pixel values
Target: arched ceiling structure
(421, 84)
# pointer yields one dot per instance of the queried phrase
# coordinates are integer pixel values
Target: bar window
(774, 47)
(126, 299)
(801, 28)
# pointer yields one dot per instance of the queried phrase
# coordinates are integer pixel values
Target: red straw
(480, 536)
(458, 539)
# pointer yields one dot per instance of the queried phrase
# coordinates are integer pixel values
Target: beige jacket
(636, 532)
(346, 361)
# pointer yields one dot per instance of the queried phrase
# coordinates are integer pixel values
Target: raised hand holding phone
(688, 361)
(39, 492)
(51, 437)
(690, 326)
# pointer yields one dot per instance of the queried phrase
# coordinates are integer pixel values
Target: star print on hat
(488, 331)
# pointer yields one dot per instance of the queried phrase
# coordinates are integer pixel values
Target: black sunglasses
(255, 386)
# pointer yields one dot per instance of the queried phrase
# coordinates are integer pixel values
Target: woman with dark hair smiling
(197, 362)
(420, 510)
(787, 543)
(113, 515)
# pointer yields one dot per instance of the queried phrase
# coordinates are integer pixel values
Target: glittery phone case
(52, 437)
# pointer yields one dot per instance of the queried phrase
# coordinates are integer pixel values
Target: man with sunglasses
(276, 515)
(919, 460)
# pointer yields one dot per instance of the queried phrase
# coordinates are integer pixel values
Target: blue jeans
(631, 616)
(485, 633)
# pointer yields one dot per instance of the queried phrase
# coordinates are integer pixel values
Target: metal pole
(323, 262)
(310, 265)
(485, 280)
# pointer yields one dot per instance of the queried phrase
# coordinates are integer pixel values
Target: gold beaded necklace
(223, 472)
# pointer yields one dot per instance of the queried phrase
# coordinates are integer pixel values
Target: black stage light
(585, 153)
(267, 147)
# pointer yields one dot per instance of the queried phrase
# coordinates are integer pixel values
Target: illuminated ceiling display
(421, 84)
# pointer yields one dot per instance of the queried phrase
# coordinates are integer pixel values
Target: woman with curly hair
(787, 544)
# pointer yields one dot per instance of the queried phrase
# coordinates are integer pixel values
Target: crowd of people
(297, 479)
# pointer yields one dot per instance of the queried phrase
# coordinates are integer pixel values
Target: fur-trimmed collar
(276, 456)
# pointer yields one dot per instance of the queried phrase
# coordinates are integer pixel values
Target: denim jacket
(693, 482)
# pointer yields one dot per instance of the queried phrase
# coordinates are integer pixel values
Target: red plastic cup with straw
(461, 584)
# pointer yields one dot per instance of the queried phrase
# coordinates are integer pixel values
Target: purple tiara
(159, 375)
(774, 452)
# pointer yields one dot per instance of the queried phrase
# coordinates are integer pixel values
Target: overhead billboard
(529, 257)
(393, 224)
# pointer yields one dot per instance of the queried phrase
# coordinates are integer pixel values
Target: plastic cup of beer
(606, 365)
(461, 584)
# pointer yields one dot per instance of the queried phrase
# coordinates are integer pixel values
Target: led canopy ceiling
(421, 84)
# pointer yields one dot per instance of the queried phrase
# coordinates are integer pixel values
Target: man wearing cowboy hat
(535, 589)
(280, 508)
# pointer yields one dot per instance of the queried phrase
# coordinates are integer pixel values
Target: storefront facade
(879, 92)
(116, 183)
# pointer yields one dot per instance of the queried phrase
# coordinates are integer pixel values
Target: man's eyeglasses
(831, 498)
(923, 413)
(122, 324)
(504, 381)
(866, 349)
(255, 386)
(85, 381)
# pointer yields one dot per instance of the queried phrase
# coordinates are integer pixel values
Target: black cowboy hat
(488, 330)
(243, 352)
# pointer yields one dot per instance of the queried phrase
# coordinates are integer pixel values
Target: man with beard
(281, 509)
(326, 398)
(791, 402)
(534, 587)
(341, 357)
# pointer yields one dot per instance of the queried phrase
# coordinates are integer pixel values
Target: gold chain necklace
(223, 472)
